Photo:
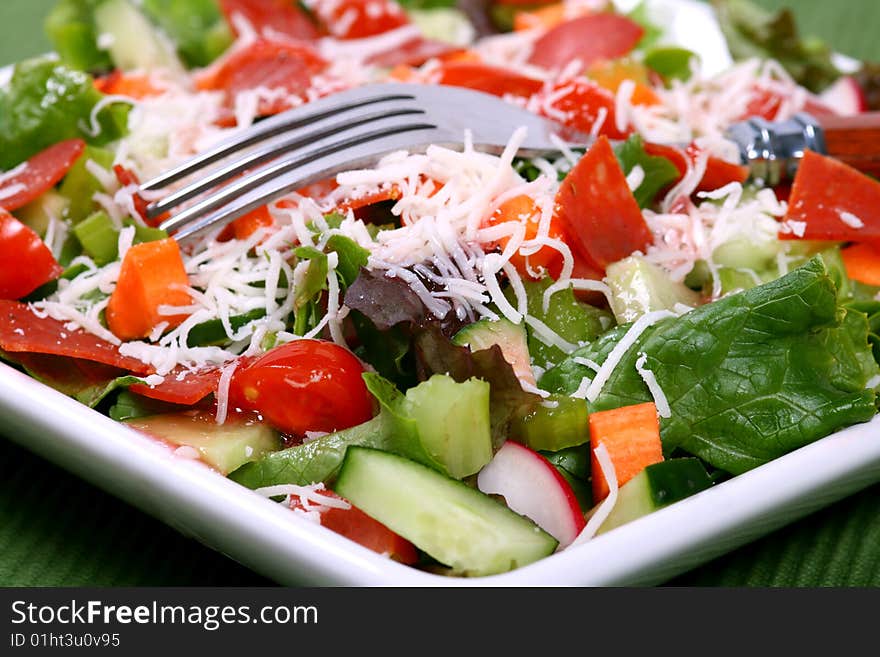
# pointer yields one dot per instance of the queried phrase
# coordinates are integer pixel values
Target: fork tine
(328, 157)
(279, 146)
(314, 111)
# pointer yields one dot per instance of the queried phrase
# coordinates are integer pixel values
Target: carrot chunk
(631, 434)
(152, 275)
(862, 262)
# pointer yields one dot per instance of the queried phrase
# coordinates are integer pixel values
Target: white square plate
(289, 549)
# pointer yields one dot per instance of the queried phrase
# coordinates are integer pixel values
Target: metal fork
(347, 130)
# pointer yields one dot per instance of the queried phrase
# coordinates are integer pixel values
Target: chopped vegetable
(151, 279)
(27, 261)
(631, 434)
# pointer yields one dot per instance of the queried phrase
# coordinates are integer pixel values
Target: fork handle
(854, 140)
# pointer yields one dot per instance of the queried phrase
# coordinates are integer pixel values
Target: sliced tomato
(26, 262)
(181, 386)
(493, 80)
(267, 64)
(23, 331)
(586, 38)
(718, 172)
(280, 16)
(357, 526)
(413, 52)
(39, 174)
(305, 385)
(581, 104)
(598, 210)
(834, 201)
(356, 19)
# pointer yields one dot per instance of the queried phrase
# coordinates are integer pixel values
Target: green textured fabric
(56, 530)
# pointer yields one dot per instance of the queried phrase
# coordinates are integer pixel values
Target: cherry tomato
(27, 262)
(280, 16)
(305, 385)
(580, 104)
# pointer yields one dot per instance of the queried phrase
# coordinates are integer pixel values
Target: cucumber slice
(658, 485)
(223, 446)
(135, 42)
(457, 525)
(41, 210)
(510, 337)
(639, 286)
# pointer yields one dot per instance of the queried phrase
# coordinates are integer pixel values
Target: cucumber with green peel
(38, 213)
(743, 253)
(99, 237)
(655, 487)
(211, 332)
(554, 423)
(134, 42)
(225, 446)
(639, 286)
(510, 337)
(452, 522)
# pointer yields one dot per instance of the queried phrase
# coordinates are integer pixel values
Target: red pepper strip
(493, 80)
(128, 177)
(22, 331)
(718, 172)
(834, 200)
(280, 16)
(357, 526)
(182, 386)
(586, 38)
(598, 210)
(39, 174)
(414, 52)
(26, 262)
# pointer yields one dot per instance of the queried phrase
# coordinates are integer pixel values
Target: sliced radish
(845, 96)
(532, 487)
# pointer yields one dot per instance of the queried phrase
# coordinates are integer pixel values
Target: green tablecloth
(56, 530)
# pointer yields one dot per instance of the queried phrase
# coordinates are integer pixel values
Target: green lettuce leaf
(752, 31)
(749, 377)
(659, 172)
(47, 102)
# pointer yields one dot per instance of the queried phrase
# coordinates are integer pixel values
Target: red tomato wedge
(834, 201)
(182, 386)
(581, 104)
(305, 385)
(357, 19)
(39, 174)
(587, 38)
(598, 210)
(25, 260)
(357, 526)
(718, 172)
(493, 80)
(266, 63)
(23, 331)
(280, 16)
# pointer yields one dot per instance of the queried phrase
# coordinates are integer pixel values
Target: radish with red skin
(532, 487)
(845, 96)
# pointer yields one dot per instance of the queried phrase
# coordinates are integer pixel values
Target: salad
(463, 361)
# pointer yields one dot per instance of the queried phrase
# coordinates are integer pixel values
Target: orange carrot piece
(152, 275)
(631, 434)
(522, 209)
(543, 17)
(862, 262)
(246, 225)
